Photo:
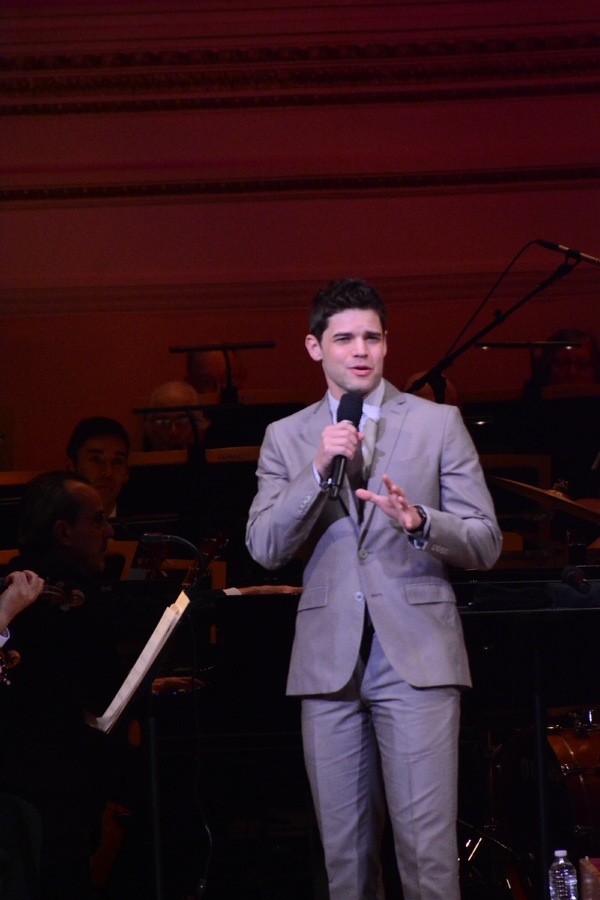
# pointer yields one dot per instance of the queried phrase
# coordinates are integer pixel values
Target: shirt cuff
(420, 539)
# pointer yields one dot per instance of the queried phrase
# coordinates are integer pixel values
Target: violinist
(19, 824)
(50, 757)
(69, 666)
(20, 590)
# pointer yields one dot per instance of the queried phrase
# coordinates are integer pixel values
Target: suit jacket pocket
(312, 598)
(419, 592)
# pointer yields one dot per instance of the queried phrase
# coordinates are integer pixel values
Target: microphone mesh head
(350, 408)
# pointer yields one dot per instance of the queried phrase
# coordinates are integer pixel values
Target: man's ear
(62, 532)
(314, 347)
(68, 464)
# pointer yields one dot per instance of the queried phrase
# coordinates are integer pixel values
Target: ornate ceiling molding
(303, 186)
(335, 73)
(461, 289)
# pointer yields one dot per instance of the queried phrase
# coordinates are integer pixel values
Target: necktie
(369, 430)
(354, 470)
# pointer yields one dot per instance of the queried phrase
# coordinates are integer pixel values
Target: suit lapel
(393, 413)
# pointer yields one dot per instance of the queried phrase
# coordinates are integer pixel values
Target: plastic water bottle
(562, 878)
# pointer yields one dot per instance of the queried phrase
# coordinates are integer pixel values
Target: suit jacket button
(362, 553)
(359, 596)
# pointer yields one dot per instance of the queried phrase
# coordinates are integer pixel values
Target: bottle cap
(560, 853)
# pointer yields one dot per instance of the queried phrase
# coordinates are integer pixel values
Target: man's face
(104, 461)
(573, 365)
(351, 351)
(170, 431)
(84, 543)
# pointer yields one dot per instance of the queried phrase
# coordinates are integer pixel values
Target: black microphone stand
(435, 378)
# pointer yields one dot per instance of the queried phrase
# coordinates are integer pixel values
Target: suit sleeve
(464, 531)
(286, 507)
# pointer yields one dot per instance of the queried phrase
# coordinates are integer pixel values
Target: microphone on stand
(575, 578)
(574, 254)
(192, 580)
(349, 410)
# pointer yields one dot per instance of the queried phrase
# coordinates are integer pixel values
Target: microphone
(349, 410)
(156, 537)
(575, 578)
(574, 254)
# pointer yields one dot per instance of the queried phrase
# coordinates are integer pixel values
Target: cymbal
(552, 499)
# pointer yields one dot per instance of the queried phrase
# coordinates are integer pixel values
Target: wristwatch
(421, 526)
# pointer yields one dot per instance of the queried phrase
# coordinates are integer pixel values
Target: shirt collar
(371, 404)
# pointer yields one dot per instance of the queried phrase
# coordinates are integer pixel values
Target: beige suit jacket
(423, 447)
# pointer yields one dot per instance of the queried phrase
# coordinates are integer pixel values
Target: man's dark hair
(346, 293)
(47, 500)
(93, 427)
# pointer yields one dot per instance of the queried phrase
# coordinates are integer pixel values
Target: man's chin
(97, 565)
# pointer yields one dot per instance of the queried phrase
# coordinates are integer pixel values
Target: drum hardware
(551, 499)
(489, 867)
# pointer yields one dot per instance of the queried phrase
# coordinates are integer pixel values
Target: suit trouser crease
(378, 730)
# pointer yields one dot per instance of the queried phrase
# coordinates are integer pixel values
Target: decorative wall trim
(303, 186)
(345, 73)
(459, 289)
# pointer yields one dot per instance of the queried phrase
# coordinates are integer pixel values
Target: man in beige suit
(378, 656)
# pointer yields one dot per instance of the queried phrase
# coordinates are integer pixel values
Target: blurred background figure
(569, 365)
(99, 449)
(174, 429)
(207, 371)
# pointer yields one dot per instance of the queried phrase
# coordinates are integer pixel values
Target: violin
(8, 660)
(61, 595)
(58, 594)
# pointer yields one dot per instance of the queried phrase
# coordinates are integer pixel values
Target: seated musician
(69, 665)
(569, 365)
(99, 449)
(174, 429)
(207, 371)
(19, 823)
(20, 590)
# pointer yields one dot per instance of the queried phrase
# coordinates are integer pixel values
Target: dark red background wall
(176, 175)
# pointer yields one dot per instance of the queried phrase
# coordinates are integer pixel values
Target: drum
(578, 752)
(572, 785)
(516, 797)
